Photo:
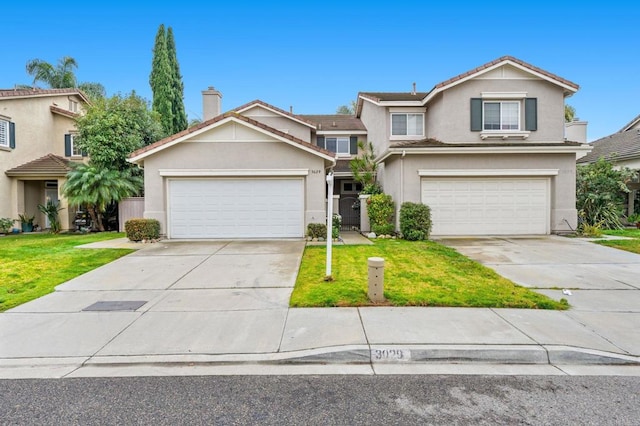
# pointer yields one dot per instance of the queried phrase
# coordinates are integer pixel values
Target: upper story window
(339, 145)
(75, 150)
(344, 146)
(73, 106)
(407, 124)
(501, 115)
(4, 133)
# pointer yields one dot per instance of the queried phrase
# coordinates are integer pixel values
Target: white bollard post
(376, 279)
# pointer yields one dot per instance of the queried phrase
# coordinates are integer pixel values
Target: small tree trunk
(96, 219)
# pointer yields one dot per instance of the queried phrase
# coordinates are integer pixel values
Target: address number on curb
(390, 355)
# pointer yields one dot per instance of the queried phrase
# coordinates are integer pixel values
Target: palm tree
(61, 76)
(98, 187)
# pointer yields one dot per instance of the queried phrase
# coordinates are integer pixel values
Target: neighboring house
(623, 149)
(485, 150)
(36, 147)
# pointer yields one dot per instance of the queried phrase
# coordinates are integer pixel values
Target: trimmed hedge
(142, 229)
(317, 230)
(415, 221)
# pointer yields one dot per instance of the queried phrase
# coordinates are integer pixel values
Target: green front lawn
(32, 265)
(416, 274)
(628, 245)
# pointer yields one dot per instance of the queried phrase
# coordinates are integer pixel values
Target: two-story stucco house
(36, 147)
(485, 150)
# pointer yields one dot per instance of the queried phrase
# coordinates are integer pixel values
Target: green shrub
(5, 225)
(336, 225)
(386, 229)
(142, 229)
(317, 230)
(380, 208)
(415, 221)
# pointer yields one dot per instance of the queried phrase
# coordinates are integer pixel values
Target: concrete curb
(357, 354)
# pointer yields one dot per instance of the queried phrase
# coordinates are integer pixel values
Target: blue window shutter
(12, 135)
(320, 141)
(353, 145)
(476, 114)
(531, 114)
(67, 145)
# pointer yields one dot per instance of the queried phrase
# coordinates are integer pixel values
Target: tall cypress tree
(161, 82)
(179, 115)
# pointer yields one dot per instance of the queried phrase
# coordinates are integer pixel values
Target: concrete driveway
(604, 282)
(168, 298)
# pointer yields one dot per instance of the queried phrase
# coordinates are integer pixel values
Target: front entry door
(50, 194)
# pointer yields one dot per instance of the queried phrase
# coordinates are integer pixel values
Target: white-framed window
(73, 106)
(407, 124)
(75, 150)
(4, 133)
(501, 115)
(339, 145)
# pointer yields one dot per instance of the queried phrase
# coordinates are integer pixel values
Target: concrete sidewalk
(222, 307)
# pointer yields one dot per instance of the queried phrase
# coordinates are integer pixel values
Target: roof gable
(633, 124)
(274, 110)
(509, 65)
(194, 132)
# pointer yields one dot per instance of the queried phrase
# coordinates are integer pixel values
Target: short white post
(376, 279)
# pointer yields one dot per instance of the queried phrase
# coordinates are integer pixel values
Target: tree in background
(347, 109)
(114, 127)
(166, 83)
(179, 115)
(62, 76)
(601, 193)
(569, 113)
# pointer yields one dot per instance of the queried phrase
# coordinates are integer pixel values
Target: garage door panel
(236, 208)
(487, 206)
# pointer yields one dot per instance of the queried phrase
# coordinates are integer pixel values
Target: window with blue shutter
(67, 145)
(320, 141)
(353, 145)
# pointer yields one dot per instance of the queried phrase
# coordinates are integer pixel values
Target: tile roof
(503, 59)
(335, 122)
(275, 108)
(394, 96)
(23, 93)
(617, 146)
(342, 166)
(230, 114)
(49, 165)
(63, 111)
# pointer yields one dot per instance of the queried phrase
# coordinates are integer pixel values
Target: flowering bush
(142, 229)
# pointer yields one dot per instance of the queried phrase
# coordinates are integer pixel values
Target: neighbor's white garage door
(487, 206)
(236, 208)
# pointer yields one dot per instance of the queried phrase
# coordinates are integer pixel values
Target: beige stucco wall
(375, 119)
(38, 132)
(279, 122)
(234, 147)
(449, 113)
(403, 173)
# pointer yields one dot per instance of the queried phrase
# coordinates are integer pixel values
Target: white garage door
(236, 208)
(487, 206)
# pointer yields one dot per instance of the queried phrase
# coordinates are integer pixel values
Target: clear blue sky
(316, 56)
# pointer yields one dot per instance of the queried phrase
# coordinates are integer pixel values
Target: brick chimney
(211, 103)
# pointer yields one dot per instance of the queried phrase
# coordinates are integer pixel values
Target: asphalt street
(323, 400)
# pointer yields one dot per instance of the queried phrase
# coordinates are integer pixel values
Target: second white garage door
(487, 206)
(236, 208)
